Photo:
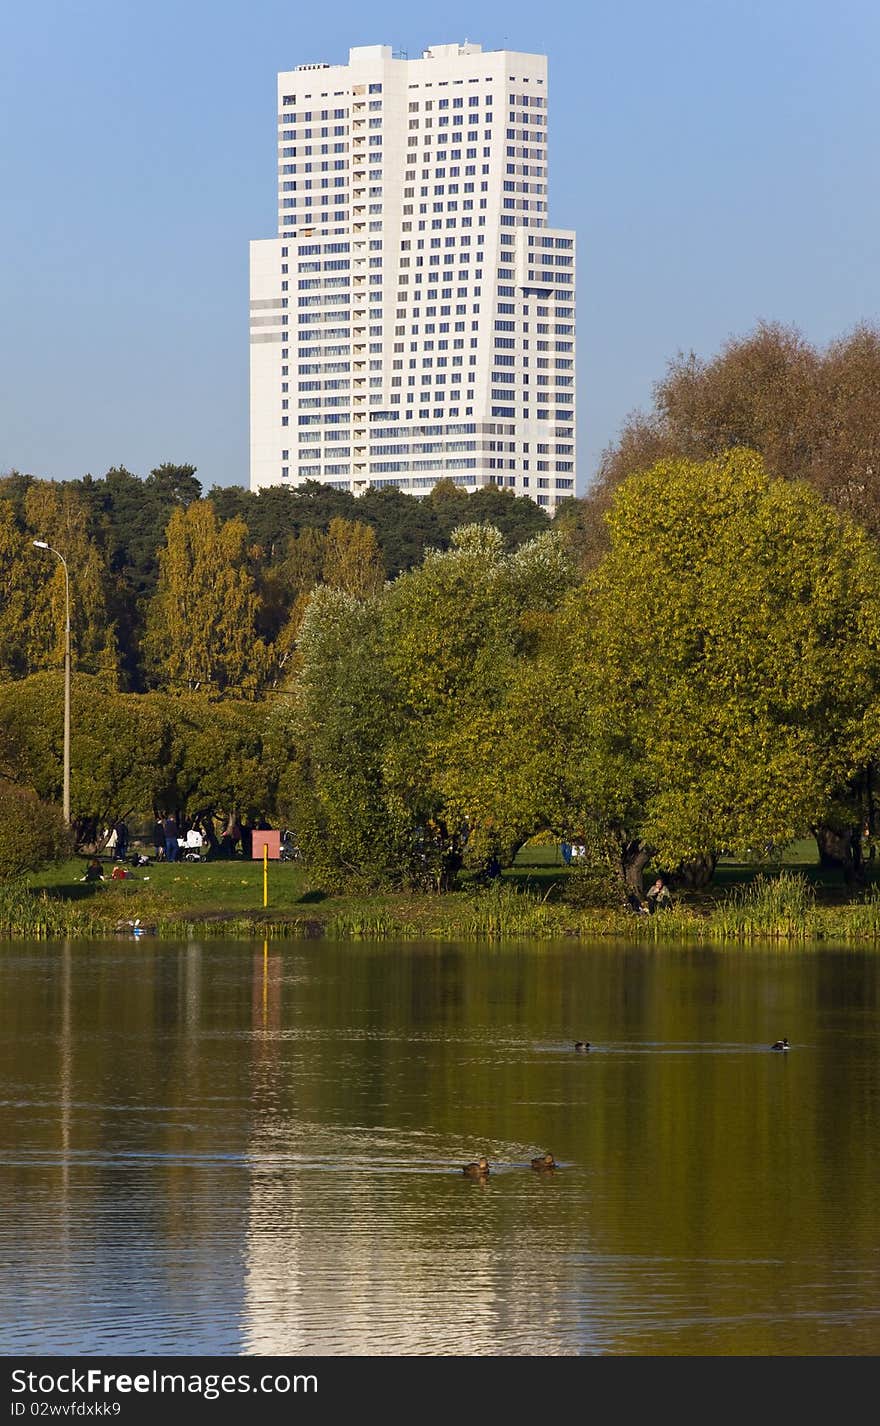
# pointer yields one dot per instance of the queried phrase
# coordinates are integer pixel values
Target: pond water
(226, 1148)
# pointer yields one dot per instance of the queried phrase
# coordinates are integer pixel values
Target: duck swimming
(544, 1162)
(780, 1045)
(480, 1169)
(582, 1046)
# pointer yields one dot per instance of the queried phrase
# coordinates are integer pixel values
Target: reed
(369, 926)
(773, 908)
(235, 927)
(503, 912)
(35, 915)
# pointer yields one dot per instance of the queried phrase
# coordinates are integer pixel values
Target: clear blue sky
(719, 159)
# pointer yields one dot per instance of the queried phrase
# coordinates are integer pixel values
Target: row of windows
(451, 207)
(541, 414)
(307, 117)
(304, 188)
(544, 396)
(463, 238)
(393, 432)
(338, 131)
(446, 155)
(333, 264)
(544, 242)
(440, 188)
(340, 215)
(325, 284)
(489, 78)
(424, 413)
(511, 343)
(473, 103)
(323, 351)
(543, 328)
(463, 463)
(308, 150)
(314, 452)
(326, 299)
(423, 448)
(312, 249)
(563, 364)
(455, 378)
(324, 166)
(415, 483)
(542, 448)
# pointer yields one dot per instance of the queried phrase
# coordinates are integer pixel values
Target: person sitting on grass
(93, 871)
(659, 895)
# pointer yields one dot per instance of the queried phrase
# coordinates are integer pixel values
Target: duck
(780, 1045)
(544, 1162)
(479, 1169)
(582, 1046)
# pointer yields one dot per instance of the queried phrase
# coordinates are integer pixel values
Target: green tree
(221, 764)
(337, 723)
(718, 670)
(32, 832)
(457, 631)
(119, 747)
(399, 712)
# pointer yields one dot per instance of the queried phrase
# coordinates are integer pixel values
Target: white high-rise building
(415, 317)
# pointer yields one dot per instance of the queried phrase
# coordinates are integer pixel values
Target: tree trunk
(840, 849)
(693, 875)
(634, 857)
(206, 822)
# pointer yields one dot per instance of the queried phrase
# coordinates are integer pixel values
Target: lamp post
(43, 545)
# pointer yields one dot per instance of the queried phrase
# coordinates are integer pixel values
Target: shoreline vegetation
(789, 905)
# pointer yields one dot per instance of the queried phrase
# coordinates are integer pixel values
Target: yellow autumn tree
(201, 620)
(32, 600)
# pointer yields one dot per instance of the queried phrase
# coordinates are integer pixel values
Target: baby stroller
(192, 846)
(289, 850)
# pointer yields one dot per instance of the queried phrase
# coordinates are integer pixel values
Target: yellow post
(265, 979)
(265, 876)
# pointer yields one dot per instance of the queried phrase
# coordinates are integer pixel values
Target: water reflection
(242, 1148)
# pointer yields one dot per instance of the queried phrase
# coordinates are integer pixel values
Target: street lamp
(43, 545)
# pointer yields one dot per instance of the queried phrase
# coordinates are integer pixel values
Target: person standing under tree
(169, 827)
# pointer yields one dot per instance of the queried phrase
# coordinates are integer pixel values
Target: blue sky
(718, 158)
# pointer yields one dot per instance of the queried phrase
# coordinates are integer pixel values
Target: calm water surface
(220, 1148)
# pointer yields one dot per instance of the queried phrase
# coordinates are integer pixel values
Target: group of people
(117, 840)
(170, 846)
(173, 841)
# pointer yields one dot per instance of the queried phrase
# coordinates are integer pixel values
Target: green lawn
(228, 890)
(542, 870)
(199, 888)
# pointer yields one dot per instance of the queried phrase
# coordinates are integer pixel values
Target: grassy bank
(788, 904)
